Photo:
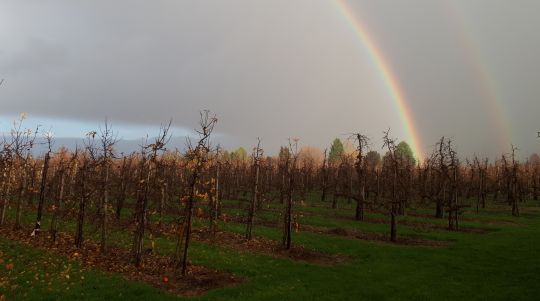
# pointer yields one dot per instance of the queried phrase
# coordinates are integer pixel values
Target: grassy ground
(501, 265)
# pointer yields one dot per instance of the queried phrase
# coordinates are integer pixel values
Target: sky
(276, 69)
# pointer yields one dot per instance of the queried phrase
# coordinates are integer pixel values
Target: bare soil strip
(358, 234)
(260, 245)
(413, 224)
(472, 220)
(401, 240)
(422, 225)
(155, 270)
(230, 240)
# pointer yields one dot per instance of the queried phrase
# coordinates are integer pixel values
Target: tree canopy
(373, 158)
(336, 151)
(239, 154)
(284, 153)
(404, 151)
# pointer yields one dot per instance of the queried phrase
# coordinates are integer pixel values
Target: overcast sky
(276, 69)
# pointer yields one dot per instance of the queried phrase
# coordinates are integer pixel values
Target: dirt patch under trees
(155, 270)
(261, 245)
(358, 234)
(401, 240)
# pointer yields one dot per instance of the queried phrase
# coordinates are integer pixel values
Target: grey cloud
(275, 69)
(36, 55)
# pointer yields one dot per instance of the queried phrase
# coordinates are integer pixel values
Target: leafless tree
(290, 170)
(215, 194)
(360, 167)
(324, 176)
(453, 203)
(63, 173)
(514, 183)
(108, 140)
(43, 186)
(256, 159)
(147, 168)
(17, 152)
(87, 165)
(124, 177)
(197, 156)
(390, 145)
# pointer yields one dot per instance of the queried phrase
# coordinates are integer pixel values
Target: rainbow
(483, 75)
(388, 77)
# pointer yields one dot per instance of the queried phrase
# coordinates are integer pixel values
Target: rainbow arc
(390, 80)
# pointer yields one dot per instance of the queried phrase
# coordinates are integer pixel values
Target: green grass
(40, 275)
(501, 265)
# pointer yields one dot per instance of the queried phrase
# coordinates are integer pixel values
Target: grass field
(500, 263)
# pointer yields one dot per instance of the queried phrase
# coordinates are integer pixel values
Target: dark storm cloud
(273, 69)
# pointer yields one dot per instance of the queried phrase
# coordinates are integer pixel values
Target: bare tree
(124, 178)
(108, 140)
(360, 167)
(63, 173)
(453, 203)
(443, 176)
(148, 163)
(256, 158)
(482, 168)
(197, 156)
(17, 153)
(88, 160)
(214, 195)
(390, 144)
(43, 186)
(23, 158)
(514, 183)
(324, 176)
(290, 171)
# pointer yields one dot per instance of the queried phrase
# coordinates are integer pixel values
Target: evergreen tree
(404, 151)
(239, 154)
(373, 158)
(336, 151)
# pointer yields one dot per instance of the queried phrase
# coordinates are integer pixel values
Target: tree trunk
(393, 223)
(6, 196)
(251, 212)
(20, 196)
(42, 188)
(82, 205)
(215, 213)
(361, 197)
(287, 231)
(187, 224)
(105, 206)
(142, 203)
(123, 187)
(57, 204)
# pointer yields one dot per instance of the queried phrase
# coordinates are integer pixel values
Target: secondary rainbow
(387, 76)
(483, 74)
